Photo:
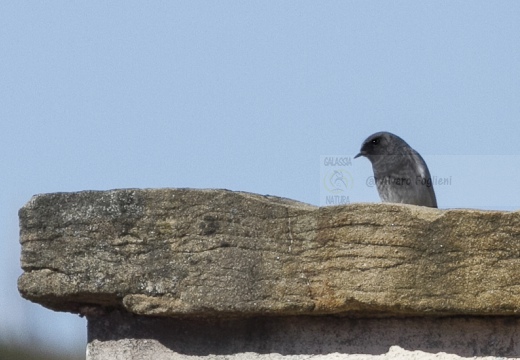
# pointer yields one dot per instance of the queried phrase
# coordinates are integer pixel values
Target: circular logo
(338, 181)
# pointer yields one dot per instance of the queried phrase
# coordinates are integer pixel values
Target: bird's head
(380, 144)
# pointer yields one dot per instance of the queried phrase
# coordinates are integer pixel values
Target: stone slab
(218, 253)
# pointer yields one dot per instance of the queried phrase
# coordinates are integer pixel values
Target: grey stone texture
(125, 336)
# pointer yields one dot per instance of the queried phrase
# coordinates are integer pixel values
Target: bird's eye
(375, 141)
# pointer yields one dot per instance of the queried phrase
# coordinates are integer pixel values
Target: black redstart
(400, 173)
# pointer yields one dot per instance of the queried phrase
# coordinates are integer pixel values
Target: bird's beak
(362, 153)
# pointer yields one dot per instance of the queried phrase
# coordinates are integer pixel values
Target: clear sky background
(246, 96)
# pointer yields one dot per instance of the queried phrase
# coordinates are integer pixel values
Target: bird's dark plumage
(400, 172)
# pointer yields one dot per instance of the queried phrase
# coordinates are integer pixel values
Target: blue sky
(246, 96)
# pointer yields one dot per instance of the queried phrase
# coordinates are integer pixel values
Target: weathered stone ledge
(183, 252)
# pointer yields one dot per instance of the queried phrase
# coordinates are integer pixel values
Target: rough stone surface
(123, 336)
(210, 253)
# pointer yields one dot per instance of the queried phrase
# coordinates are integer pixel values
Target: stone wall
(183, 274)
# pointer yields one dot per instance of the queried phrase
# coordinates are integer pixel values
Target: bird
(400, 172)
